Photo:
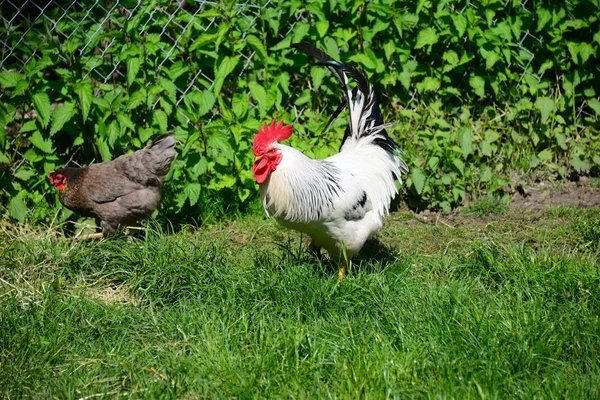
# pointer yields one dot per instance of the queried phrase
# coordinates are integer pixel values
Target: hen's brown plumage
(118, 192)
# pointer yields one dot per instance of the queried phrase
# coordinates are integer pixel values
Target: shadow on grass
(373, 258)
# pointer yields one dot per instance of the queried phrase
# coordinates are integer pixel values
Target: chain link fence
(67, 20)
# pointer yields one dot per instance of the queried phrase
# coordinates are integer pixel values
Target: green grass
(488, 205)
(506, 308)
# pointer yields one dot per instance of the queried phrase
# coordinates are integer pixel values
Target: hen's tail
(159, 155)
(366, 121)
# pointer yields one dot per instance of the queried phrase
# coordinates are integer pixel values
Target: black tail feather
(370, 107)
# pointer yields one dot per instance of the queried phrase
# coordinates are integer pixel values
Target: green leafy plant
(479, 92)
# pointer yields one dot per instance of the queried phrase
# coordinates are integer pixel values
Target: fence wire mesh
(30, 25)
(69, 21)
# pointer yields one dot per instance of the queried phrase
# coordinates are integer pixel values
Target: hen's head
(268, 156)
(58, 180)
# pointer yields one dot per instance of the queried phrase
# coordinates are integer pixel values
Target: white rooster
(340, 201)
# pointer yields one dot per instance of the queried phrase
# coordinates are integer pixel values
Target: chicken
(118, 192)
(340, 201)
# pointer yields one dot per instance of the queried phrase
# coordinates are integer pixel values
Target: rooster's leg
(313, 248)
(342, 270)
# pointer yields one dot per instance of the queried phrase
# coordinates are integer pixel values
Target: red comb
(269, 134)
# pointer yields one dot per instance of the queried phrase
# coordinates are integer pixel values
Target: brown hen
(118, 192)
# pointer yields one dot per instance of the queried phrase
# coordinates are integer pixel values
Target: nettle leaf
(364, 60)
(224, 181)
(585, 51)
(465, 140)
(418, 179)
(427, 36)
(390, 48)
(450, 57)
(430, 84)
(62, 115)
(226, 67)
(239, 105)
(543, 16)
(545, 155)
(485, 173)
(160, 118)
(317, 74)
(200, 167)
(202, 40)
(17, 208)
(257, 46)
(177, 69)
(332, 48)
(169, 87)
(220, 141)
(460, 166)
(478, 85)
(38, 141)
(136, 98)
(145, 133)
(114, 132)
(28, 126)
(491, 57)
(206, 102)
(103, 149)
(545, 105)
(404, 78)
(43, 107)
(284, 44)
(594, 105)
(84, 92)
(260, 95)
(460, 23)
(133, 67)
(580, 165)
(192, 192)
(574, 50)
(243, 193)
(300, 31)
(322, 27)
(10, 79)
(8, 114)
(125, 122)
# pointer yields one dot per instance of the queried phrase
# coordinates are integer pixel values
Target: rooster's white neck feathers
(301, 189)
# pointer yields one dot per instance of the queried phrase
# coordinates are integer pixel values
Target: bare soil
(584, 192)
(529, 202)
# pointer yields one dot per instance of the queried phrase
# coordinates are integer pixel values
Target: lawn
(502, 307)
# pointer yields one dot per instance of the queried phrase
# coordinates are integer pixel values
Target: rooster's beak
(258, 158)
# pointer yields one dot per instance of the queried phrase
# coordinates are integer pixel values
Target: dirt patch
(584, 192)
(529, 203)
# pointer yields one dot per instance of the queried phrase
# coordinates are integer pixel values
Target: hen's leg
(96, 235)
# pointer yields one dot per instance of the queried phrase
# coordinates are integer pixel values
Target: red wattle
(261, 170)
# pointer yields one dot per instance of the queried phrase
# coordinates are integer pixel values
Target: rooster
(118, 192)
(340, 201)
